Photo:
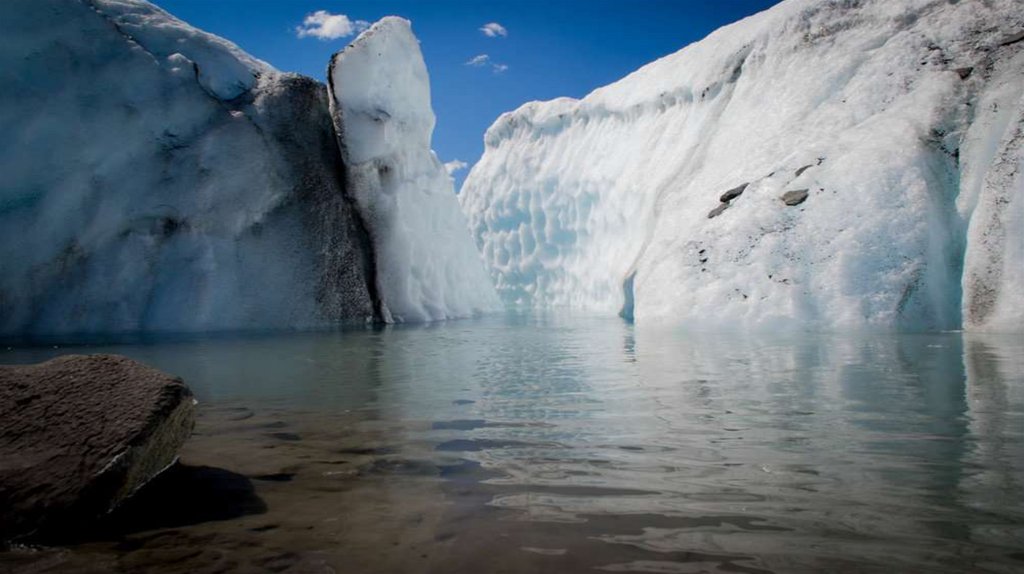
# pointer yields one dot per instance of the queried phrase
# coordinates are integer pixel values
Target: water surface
(565, 444)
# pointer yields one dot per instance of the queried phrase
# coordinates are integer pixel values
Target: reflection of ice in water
(841, 444)
(785, 452)
(995, 399)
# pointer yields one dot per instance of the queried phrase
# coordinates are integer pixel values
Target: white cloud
(493, 30)
(454, 166)
(485, 60)
(326, 26)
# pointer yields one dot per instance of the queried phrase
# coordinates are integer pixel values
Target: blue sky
(551, 48)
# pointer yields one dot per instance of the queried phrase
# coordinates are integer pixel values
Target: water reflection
(994, 484)
(632, 449)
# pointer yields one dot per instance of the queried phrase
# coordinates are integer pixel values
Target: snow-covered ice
(426, 263)
(222, 68)
(901, 120)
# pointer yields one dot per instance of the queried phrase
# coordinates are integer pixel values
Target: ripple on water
(569, 445)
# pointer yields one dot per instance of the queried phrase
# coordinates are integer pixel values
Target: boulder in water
(81, 433)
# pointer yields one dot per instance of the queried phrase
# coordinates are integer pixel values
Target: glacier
(838, 164)
(428, 268)
(157, 178)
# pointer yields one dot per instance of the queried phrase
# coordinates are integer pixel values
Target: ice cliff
(428, 269)
(823, 164)
(157, 178)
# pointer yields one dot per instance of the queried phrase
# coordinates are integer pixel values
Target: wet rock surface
(81, 433)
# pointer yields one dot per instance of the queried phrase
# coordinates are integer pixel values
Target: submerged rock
(79, 434)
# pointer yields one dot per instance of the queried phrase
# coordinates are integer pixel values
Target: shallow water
(562, 444)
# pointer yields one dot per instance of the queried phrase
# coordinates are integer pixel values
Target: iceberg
(156, 178)
(159, 179)
(822, 165)
(427, 265)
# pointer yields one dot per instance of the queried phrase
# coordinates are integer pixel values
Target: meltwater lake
(533, 443)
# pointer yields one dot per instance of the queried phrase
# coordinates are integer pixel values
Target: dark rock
(803, 169)
(80, 434)
(795, 197)
(964, 73)
(733, 193)
(718, 210)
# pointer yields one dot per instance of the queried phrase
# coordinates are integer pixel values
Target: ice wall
(992, 200)
(156, 178)
(427, 266)
(869, 154)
